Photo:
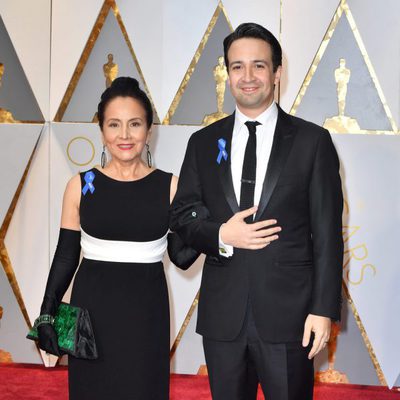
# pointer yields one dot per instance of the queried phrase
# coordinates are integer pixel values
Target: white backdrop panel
(380, 31)
(17, 143)
(13, 327)
(304, 24)
(165, 37)
(27, 239)
(144, 23)
(72, 22)
(32, 43)
(371, 182)
(266, 13)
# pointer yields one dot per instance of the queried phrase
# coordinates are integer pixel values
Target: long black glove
(63, 267)
(180, 254)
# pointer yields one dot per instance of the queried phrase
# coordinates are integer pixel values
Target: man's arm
(188, 216)
(191, 220)
(326, 206)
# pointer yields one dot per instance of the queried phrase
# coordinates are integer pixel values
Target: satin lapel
(282, 143)
(224, 168)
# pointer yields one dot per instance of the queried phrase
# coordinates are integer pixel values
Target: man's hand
(237, 233)
(321, 326)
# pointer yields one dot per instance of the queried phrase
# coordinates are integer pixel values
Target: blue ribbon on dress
(222, 151)
(89, 178)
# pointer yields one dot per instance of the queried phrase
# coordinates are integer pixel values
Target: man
(272, 276)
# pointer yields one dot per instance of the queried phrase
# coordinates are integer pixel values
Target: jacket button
(194, 214)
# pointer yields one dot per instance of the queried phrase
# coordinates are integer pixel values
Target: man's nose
(248, 74)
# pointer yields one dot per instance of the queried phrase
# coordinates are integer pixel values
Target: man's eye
(113, 125)
(135, 124)
(260, 66)
(236, 67)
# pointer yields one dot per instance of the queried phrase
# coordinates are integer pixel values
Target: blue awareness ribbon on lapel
(222, 151)
(89, 178)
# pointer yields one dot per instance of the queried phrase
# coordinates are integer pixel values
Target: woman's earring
(103, 160)
(149, 158)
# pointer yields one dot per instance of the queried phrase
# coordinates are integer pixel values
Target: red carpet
(32, 382)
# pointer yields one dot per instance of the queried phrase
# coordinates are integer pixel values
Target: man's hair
(255, 31)
(125, 87)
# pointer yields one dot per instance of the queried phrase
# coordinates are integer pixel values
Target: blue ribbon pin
(89, 178)
(222, 151)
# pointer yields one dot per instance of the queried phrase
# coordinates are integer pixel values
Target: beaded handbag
(74, 331)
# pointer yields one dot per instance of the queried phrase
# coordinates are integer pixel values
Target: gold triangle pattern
(175, 102)
(4, 258)
(343, 8)
(348, 232)
(365, 337)
(184, 325)
(107, 6)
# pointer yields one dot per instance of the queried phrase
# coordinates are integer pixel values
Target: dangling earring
(148, 155)
(103, 160)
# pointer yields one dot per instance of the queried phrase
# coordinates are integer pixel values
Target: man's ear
(278, 75)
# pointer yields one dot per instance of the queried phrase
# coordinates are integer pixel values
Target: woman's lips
(125, 146)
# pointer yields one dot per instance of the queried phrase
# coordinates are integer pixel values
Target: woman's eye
(135, 124)
(113, 125)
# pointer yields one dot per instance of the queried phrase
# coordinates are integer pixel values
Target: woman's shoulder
(162, 176)
(74, 183)
(162, 172)
(92, 171)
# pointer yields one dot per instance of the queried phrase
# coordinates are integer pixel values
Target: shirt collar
(270, 113)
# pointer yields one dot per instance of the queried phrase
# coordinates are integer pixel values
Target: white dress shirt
(265, 136)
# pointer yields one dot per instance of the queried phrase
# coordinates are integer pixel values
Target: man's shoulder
(304, 127)
(214, 131)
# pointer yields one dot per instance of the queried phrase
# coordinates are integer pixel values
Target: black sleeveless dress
(127, 301)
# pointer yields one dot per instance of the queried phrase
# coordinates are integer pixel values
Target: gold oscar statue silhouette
(5, 115)
(331, 375)
(220, 77)
(341, 123)
(110, 70)
(5, 357)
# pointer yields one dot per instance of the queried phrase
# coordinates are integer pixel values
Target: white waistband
(122, 251)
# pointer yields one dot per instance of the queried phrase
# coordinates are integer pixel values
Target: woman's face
(125, 130)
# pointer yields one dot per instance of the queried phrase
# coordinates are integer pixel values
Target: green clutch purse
(74, 331)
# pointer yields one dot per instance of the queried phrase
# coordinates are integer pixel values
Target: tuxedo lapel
(282, 143)
(224, 168)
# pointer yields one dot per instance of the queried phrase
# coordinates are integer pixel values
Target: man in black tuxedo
(271, 281)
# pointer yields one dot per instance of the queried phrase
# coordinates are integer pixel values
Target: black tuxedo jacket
(298, 274)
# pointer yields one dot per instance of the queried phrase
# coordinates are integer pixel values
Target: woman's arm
(63, 267)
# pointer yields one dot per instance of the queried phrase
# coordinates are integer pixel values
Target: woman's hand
(48, 339)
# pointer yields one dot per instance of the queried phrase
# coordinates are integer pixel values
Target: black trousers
(236, 367)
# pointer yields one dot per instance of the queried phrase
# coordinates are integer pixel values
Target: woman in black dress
(118, 217)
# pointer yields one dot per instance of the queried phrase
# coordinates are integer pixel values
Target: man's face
(251, 76)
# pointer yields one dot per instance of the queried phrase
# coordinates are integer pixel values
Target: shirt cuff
(225, 250)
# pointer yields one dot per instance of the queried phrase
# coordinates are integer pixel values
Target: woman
(119, 215)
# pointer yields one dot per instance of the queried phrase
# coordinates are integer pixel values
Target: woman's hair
(125, 87)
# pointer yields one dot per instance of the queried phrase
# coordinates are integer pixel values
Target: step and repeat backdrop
(341, 71)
